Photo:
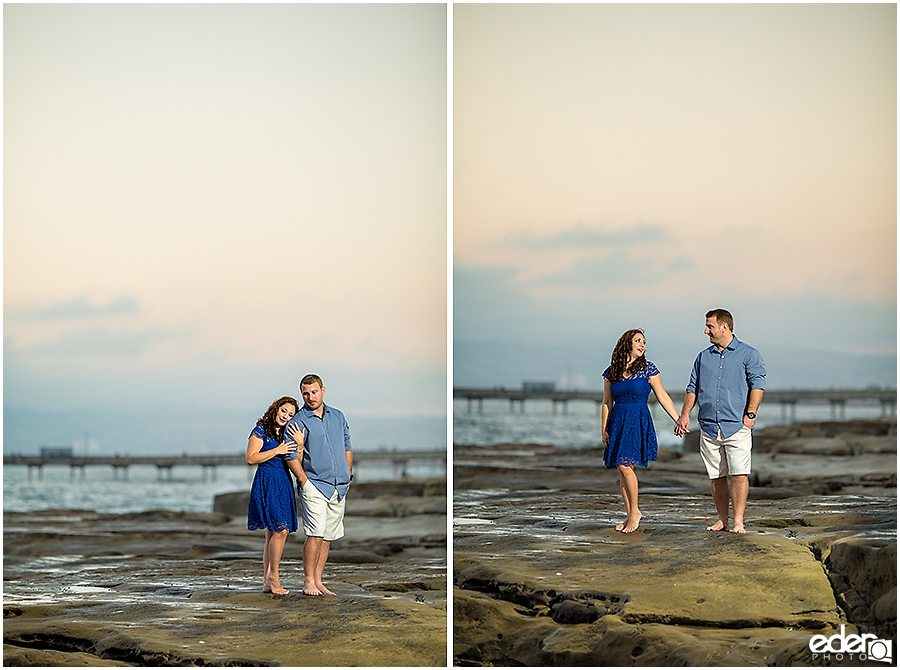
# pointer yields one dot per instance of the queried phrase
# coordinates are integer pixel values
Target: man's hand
(748, 422)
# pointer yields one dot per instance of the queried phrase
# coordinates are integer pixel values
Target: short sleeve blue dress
(632, 437)
(272, 503)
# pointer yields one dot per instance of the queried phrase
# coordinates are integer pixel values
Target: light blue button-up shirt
(327, 440)
(722, 383)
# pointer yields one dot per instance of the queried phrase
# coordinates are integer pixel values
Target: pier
(399, 460)
(838, 399)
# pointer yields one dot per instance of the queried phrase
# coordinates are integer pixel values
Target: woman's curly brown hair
(267, 421)
(618, 363)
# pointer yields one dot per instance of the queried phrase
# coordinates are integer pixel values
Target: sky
(203, 203)
(636, 165)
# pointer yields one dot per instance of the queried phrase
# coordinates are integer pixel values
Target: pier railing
(838, 399)
(399, 460)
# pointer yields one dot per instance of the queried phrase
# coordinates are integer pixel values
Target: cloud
(78, 308)
(97, 344)
(213, 381)
(581, 236)
(490, 305)
(614, 271)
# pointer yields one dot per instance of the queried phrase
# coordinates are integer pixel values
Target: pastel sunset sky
(202, 203)
(635, 165)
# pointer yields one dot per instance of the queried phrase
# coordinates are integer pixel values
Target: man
(728, 379)
(324, 475)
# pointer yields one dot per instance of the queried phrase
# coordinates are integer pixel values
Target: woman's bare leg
(275, 547)
(620, 526)
(266, 587)
(629, 483)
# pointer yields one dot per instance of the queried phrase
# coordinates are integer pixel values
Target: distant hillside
(582, 365)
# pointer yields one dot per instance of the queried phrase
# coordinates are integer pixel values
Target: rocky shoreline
(172, 588)
(542, 578)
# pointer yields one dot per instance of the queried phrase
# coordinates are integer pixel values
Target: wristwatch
(750, 415)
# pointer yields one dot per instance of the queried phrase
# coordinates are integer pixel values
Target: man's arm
(295, 467)
(753, 402)
(683, 424)
(349, 456)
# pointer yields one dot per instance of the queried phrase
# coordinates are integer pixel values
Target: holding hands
(682, 425)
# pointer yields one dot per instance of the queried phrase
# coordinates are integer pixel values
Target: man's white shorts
(727, 455)
(322, 517)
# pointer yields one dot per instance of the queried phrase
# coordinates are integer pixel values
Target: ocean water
(174, 433)
(102, 490)
(580, 426)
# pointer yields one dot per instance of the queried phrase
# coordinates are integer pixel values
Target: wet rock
(164, 589)
(576, 607)
(43, 658)
(532, 526)
(867, 584)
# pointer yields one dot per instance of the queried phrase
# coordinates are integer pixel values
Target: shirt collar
(308, 413)
(713, 348)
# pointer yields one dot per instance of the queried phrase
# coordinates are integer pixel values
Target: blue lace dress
(272, 503)
(632, 437)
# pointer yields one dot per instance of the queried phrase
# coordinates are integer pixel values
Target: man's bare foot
(738, 527)
(311, 590)
(718, 525)
(631, 524)
(325, 591)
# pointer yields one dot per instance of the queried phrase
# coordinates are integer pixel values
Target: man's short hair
(312, 379)
(722, 316)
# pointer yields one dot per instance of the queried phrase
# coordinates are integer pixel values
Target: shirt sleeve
(347, 445)
(694, 382)
(755, 367)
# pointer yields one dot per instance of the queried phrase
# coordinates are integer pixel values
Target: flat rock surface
(168, 588)
(542, 577)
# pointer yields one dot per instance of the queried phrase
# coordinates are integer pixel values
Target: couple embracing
(313, 443)
(727, 381)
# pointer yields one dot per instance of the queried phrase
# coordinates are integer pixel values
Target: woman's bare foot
(273, 586)
(718, 525)
(620, 526)
(632, 523)
(738, 527)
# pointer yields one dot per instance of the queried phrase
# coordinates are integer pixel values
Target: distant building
(56, 453)
(539, 387)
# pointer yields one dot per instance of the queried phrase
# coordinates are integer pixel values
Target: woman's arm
(663, 398)
(255, 456)
(607, 408)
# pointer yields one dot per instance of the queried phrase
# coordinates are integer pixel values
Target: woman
(272, 504)
(628, 432)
